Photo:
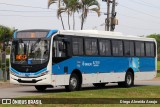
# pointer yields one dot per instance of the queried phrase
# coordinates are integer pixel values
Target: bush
(7, 63)
(7, 50)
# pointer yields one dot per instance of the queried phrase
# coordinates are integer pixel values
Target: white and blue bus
(48, 58)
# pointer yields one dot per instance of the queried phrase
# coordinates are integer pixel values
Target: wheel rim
(129, 79)
(73, 82)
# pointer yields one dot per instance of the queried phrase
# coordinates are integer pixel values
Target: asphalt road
(21, 91)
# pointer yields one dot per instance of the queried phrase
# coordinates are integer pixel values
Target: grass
(158, 65)
(158, 74)
(107, 92)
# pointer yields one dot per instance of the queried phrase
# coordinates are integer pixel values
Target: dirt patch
(7, 84)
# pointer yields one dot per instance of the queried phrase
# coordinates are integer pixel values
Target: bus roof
(103, 34)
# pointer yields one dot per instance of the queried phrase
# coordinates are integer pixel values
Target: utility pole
(107, 20)
(108, 15)
(113, 15)
(110, 21)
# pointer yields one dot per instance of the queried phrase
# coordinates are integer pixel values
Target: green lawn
(158, 65)
(107, 92)
(158, 74)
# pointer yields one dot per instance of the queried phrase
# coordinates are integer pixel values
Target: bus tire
(41, 88)
(99, 84)
(74, 83)
(129, 81)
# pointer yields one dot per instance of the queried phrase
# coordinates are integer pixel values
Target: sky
(135, 17)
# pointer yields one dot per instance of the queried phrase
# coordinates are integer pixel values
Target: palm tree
(5, 36)
(86, 4)
(67, 9)
(75, 6)
(59, 6)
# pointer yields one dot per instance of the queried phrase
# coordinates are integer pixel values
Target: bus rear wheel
(99, 84)
(41, 88)
(74, 83)
(129, 81)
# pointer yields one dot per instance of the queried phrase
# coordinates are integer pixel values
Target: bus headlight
(12, 73)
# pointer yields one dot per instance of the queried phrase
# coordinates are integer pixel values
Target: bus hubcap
(129, 79)
(73, 82)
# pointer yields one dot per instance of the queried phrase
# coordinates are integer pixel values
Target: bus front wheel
(129, 80)
(41, 88)
(74, 83)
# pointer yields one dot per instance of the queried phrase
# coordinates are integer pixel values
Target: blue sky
(136, 17)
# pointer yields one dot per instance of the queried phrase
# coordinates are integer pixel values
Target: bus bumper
(43, 80)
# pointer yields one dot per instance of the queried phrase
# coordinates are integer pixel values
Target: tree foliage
(50, 2)
(87, 6)
(72, 6)
(5, 33)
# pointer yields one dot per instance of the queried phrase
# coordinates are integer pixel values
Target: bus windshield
(30, 52)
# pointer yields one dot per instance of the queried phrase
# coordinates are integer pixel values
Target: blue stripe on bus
(105, 65)
(28, 74)
(51, 33)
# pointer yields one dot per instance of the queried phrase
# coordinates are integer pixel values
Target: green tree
(70, 7)
(75, 6)
(66, 9)
(5, 34)
(88, 5)
(58, 11)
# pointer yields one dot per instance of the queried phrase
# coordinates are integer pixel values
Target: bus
(70, 58)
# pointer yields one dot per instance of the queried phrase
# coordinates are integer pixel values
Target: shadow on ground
(86, 88)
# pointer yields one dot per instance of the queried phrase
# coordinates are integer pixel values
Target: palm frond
(96, 10)
(51, 2)
(94, 3)
(60, 11)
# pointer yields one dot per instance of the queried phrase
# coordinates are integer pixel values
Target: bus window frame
(82, 45)
(109, 47)
(96, 43)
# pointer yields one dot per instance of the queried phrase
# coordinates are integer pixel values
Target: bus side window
(62, 49)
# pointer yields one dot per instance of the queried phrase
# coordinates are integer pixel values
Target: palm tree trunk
(73, 21)
(82, 20)
(82, 23)
(62, 22)
(59, 5)
(68, 21)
